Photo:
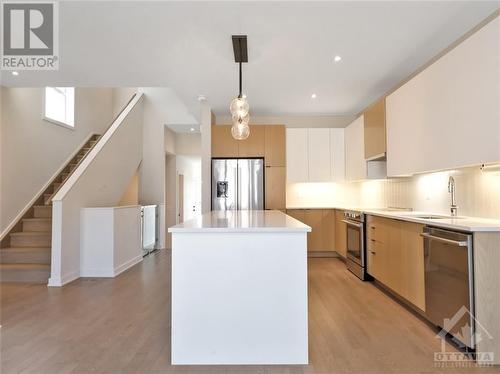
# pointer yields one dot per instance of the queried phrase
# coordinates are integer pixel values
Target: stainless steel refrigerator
(238, 184)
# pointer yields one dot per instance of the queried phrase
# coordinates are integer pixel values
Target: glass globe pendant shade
(240, 132)
(239, 107)
(241, 120)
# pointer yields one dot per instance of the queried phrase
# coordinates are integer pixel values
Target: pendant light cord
(240, 95)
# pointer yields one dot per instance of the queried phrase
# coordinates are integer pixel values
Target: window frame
(54, 121)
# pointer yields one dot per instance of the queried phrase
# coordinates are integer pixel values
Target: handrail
(38, 198)
(82, 166)
(86, 154)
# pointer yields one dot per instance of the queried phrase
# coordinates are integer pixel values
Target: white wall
(170, 196)
(32, 149)
(99, 180)
(206, 156)
(188, 144)
(121, 96)
(190, 168)
(477, 193)
(110, 240)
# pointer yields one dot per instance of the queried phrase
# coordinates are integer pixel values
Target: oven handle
(359, 225)
(444, 240)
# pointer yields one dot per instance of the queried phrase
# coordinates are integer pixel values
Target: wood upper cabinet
(340, 234)
(275, 195)
(223, 143)
(254, 145)
(275, 145)
(447, 115)
(395, 257)
(374, 131)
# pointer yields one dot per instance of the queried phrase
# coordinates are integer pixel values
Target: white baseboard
(108, 272)
(127, 264)
(97, 273)
(65, 279)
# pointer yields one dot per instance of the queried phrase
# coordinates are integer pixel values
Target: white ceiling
(187, 46)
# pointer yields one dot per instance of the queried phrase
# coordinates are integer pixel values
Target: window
(60, 105)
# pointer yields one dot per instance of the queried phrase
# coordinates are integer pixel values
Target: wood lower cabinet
(322, 236)
(298, 214)
(275, 187)
(340, 243)
(395, 257)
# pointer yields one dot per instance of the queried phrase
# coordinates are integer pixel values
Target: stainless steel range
(356, 254)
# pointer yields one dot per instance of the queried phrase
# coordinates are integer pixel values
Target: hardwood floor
(122, 326)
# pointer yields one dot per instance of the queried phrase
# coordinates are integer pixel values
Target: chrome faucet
(451, 190)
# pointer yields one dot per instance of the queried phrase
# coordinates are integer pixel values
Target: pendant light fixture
(239, 106)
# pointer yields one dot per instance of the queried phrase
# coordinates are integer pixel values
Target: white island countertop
(242, 221)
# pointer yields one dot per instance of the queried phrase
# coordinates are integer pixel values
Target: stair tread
(40, 206)
(42, 219)
(24, 249)
(23, 266)
(31, 233)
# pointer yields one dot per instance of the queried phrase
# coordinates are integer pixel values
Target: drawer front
(375, 246)
(377, 229)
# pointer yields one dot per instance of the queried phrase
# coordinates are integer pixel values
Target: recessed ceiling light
(191, 129)
(337, 58)
(15, 73)
(313, 96)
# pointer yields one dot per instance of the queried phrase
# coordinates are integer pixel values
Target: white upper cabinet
(448, 115)
(337, 155)
(319, 155)
(355, 164)
(314, 155)
(297, 167)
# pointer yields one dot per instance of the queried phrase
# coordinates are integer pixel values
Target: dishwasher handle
(359, 225)
(444, 240)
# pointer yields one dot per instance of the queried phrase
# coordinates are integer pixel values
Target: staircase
(25, 251)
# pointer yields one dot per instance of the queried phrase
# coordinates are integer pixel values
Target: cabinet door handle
(373, 253)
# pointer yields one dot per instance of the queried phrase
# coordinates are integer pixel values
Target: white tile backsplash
(477, 193)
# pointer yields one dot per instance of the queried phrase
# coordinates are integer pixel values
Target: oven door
(355, 241)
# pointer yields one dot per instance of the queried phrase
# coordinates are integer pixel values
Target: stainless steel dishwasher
(449, 282)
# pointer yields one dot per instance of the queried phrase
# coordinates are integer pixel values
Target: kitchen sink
(434, 217)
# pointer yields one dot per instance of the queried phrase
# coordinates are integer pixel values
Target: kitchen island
(239, 289)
